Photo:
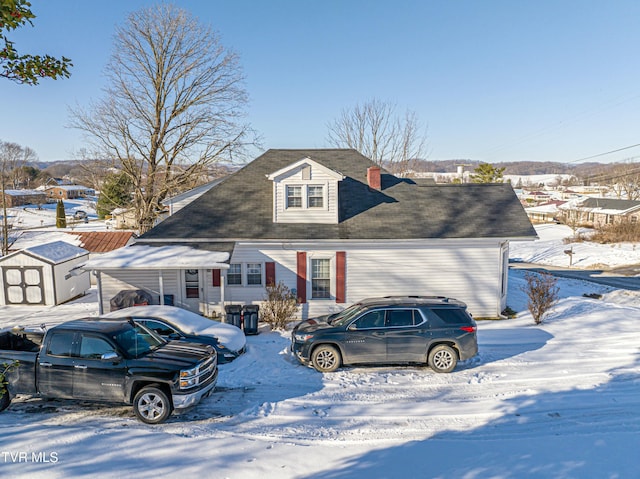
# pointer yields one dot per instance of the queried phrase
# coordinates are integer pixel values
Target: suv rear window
(451, 315)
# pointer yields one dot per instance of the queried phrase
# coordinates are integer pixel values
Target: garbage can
(251, 318)
(234, 315)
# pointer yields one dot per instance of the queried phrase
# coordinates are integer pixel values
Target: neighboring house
(534, 198)
(46, 274)
(15, 198)
(545, 213)
(68, 192)
(122, 219)
(601, 211)
(334, 228)
(177, 202)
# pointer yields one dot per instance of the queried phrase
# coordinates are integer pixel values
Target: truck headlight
(188, 383)
(185, 373)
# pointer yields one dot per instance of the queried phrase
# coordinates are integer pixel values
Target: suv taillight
(469, 329)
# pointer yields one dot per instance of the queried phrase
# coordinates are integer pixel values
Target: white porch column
(99, 285)
(161, 287)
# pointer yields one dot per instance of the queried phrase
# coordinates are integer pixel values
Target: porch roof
(159, 257)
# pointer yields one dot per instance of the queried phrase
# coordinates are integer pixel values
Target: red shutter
(216, 278)
(302, 277)
(270, 273)
(341, 257)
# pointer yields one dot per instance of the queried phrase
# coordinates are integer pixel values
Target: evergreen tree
(61, 219)
(116, 192)
(487, 173)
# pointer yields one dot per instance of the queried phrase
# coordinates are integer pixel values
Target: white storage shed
(46, 274)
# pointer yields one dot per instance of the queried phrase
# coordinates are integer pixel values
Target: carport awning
(159, 258)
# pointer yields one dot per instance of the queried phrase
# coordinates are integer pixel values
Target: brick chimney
(373, 177)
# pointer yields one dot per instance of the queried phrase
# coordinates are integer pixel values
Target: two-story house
(333, 227)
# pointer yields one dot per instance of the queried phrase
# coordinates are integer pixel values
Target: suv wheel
(152, 405)
(443, 359)
(325, 358)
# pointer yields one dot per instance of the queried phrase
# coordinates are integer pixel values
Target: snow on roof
(71, 187)
(57, 251)
(22, 192)
(159, 257)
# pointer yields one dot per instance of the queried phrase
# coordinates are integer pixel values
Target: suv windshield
(346, 316)
(136, 341)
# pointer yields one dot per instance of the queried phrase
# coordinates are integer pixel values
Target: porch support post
(161, 286)
(223, 280)
(99, 284)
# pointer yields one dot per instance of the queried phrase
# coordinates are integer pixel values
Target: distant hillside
(581, 170)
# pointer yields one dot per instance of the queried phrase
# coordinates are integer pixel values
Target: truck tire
(5, 400)
(325, 358)
(443, 359)
(152, 405)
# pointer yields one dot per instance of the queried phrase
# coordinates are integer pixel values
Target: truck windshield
(137, 341)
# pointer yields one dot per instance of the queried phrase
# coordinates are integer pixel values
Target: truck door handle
(79, 366)
(46, 365)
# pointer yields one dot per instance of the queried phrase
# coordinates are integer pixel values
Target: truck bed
(18, 345)
(18, 339)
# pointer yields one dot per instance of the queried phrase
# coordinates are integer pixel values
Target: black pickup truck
(115, 361)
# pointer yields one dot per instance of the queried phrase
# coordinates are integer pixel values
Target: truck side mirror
(110, 356)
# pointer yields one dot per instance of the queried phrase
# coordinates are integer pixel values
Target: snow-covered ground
(559, 400)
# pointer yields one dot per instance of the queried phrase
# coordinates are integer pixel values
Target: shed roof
(55, 252)
(241, 207)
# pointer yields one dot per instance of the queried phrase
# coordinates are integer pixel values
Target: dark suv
(434, 330)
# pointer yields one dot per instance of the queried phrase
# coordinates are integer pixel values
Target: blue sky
(493, 80)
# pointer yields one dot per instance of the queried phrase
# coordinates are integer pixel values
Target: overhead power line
(606, 153)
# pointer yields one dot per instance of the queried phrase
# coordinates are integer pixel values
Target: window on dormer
(294, 196)
(315, 197)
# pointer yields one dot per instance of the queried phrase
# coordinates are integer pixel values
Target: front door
(365, 340)
(192, 288)
(95, 378)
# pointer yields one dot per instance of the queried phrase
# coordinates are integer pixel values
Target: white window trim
(305, 195)
(246, 274)
(241, 278)
(332, 276)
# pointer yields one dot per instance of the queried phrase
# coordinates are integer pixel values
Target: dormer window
(305, 196)
(294, 196)
(315, 196)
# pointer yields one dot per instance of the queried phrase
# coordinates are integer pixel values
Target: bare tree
(376, 130)
(173, 105)
(624, 180)
(12, 157)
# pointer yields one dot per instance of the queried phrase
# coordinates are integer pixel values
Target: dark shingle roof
(240, 207)
(609, 203)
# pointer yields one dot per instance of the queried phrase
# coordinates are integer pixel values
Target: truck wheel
(443, 359)
(152, 405)
(5, 400)
(326, 359)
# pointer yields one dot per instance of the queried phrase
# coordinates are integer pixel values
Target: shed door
(23, 284)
